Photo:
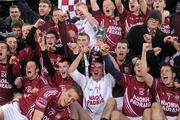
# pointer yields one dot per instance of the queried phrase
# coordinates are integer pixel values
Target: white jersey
(84, 26)
(96, 93)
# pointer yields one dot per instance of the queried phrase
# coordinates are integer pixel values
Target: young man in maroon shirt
(32, 82)
(107, 19)
(164, 90)
(34, 106)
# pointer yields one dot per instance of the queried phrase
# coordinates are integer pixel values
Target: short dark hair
(47, 2)
(123, 41)
(3, 42)
(168, 65)
(65, 60)
(76, 87)
(17, 25)
(13, 6)
(84, 34)
(53, 32)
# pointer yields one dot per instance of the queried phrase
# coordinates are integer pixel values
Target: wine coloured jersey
(130, 20)
(6, 90)
(112, 26)
(44, 100)
(95, 92)
(137, 96)
(28, 85)
(165, 26)
(169, 98)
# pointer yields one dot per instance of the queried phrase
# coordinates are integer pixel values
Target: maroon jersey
(6, 91)
(113, 28)
(28, 85)
(137, 96)
(43, 101)
(169, 98)
(61, 83)
(130, 20)
(165, 26)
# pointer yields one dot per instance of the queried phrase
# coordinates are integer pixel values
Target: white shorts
(119, 101)
(135, 118)
(12, 112)
(171, 118)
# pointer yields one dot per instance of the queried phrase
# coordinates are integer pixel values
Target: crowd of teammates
(96, 66)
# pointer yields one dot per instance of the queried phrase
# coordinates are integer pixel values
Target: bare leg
(78, 113)
(115, 115)
(110, 106)
(1, 114)
(178, 117)
(147, 114)
(157, 112)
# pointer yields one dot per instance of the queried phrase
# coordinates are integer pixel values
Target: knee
(156, 106)
(115, 115)
(111, 102)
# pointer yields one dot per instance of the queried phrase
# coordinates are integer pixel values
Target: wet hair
(76, 87)
(47, 2)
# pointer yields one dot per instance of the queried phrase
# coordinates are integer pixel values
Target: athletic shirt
(43, 101)
(6, 91)
(113, 28)
(130, 20)
(165, 27)
(137, 96)
(169, 98)
(84, 26)
(28, 85)
(95, 93)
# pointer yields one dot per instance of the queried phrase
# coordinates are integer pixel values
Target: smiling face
(167, 75)
(108, 8)
(31, 70)
(63, 68)
(67, 97)
(121, 51)
(12, 43)
(14, 13)
(134, 5)
(159, 5)
(44, 9)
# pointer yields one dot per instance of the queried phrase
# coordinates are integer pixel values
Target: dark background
(5, 4)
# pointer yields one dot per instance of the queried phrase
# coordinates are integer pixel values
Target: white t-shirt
(86, 27)
(96, 93)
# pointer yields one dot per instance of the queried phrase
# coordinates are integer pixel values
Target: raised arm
(88, 15)
(119, 6)
(174, 43)
(147, 77)
(45, 57)
(94, 5)
(143, 6)
(108, 63)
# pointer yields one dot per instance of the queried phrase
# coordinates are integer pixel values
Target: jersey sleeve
(44, 98)
(79, 78)
(110, 80)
